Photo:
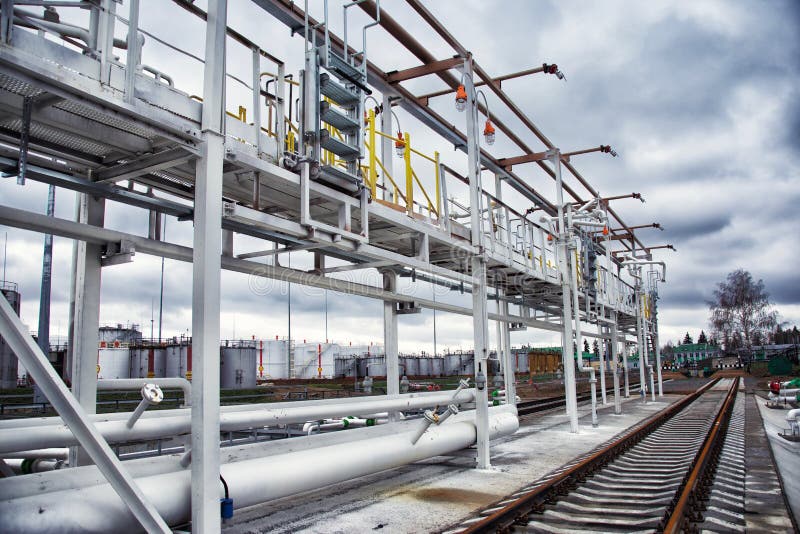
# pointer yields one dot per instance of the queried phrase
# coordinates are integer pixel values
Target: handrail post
(438, 187)
(409, 176)
(373, 171)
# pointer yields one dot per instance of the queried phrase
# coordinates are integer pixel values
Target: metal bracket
(407, 308)
(118, 253)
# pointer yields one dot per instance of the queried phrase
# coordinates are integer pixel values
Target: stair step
(340, 148)
(335, 118)
(343, 69)
(339, 178)
(336, 91)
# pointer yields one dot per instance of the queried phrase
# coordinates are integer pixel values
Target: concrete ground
(431, 495)
(786, 453)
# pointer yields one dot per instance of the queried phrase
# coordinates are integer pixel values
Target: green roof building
(694, 352)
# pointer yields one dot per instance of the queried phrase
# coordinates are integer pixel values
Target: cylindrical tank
(148, 362)
(237, 367)
(521, 361)
(412, 366)
(437, 366)
(493, 367)
(114, 363)
(179, 361)
(377, 366)
(452, 365)
(424, 366)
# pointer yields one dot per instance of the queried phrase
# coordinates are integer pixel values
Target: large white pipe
(118, 384)
(99, 509)
(356, 404)
(54, 454)
(116, 431)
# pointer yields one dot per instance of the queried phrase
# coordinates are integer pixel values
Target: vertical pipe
(206, 280)
(438, 186)
(625, 369)
(510, 367)
(480, 313)
(658, 358)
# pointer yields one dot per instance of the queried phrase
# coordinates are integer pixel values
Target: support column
(614, 345)
(566, 275)
(640, 346)
(390, 339)
(86, 316)
(601, 342)
(509, 367)
(206, 281)
(658, 358)
(625, 369)
(480, 312)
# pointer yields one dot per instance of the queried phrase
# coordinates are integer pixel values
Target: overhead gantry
(318, 179)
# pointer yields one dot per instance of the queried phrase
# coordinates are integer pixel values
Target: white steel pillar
(387, 150)
(614, 345)
(625, 369)
(640, 345)
(566, 275)
(601, 343)
(86, 315)
(658, 358)
(480, 312)
(390, 338)
(509, 366)
(206, 281)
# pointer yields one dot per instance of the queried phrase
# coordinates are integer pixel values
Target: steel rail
(696, 483)
(518, 510)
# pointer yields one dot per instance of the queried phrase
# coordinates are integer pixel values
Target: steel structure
(115, 129)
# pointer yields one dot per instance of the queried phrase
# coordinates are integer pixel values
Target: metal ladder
(290, 357)
(332, 110)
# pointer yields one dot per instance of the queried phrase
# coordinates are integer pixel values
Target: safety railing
(412, 182)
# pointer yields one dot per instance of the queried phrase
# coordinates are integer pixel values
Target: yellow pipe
(373, 171)
(409, 175)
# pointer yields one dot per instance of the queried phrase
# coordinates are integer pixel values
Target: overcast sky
(699, 98)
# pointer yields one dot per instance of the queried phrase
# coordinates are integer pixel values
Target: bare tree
(740, 311)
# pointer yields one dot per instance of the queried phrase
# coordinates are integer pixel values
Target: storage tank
(148, 362)
(376, 366)
(412, 366)
(237, 367)
(452, 365)
(521, 359)
(437, 366)
(273, 356)
(467, 365)
(179, 361)
(114, 363)
(424, 366)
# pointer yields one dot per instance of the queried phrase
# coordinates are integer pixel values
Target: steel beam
(152, 162)
(507, 163)
(14, 332)
(423, 99)
(423, 70)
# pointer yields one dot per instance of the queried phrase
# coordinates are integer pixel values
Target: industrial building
(311, 164)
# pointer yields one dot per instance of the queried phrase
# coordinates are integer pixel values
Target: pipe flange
(152, 393)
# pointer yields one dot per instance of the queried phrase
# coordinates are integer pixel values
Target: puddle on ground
(452, 495)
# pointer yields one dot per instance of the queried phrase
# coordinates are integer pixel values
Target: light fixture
(488, 132)
(400, 145)
(461, 98)
(553, 69)
(608, 150)
(605, 230)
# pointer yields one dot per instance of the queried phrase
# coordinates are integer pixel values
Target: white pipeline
(116, 431)
(254, 481)
(593, 382)
(793, 418)
(138, 383)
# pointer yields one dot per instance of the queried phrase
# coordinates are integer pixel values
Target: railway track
(656, 477)
(540, 405)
